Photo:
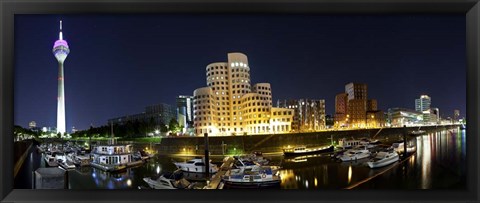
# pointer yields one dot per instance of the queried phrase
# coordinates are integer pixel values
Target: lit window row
(237, 64)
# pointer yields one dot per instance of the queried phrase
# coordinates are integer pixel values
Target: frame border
(8, 8)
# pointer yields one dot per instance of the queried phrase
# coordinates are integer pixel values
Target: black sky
(119, 64)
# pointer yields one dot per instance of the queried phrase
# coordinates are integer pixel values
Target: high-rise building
(353, 109)
(61, 51)
(185, 111)
(309, 114)
(456, 115)
(32, 124)
(434, 115)
(340, 117)
(356, 91)
(159, 114)
(422, 105)
(229, 105)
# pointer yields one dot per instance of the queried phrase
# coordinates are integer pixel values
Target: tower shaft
(61, 124)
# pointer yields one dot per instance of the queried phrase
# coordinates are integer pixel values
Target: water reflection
(438, 156)
(438, 163)
(426, 156)
(112, 180)
(349, 174)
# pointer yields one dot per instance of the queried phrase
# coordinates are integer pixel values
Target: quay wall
(272, 143)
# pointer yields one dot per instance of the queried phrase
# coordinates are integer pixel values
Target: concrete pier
(50, 178)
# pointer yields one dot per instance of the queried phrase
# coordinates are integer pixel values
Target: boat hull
(113, 168)
(383, 163)
(155, 185)
(326, 150)
(354, 158)
(194, 169)
(264, 184)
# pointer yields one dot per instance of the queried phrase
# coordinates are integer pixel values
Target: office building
(353, 109)
(399, 117)
(230, 105)
(185, 111)
(422, 104)
(456, 115)
(159, 114)
(340, 117)
(308, 116)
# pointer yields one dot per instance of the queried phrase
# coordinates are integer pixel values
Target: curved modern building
(229, 105)
(61, 51)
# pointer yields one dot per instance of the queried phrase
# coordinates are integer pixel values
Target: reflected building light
(306, 183)
(426, 161)
(158, 169)
(129, 183)
(349, 174)
(315, 182)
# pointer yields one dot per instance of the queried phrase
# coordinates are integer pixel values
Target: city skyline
(102, 61)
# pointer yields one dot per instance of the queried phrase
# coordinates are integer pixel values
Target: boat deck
(217, 178)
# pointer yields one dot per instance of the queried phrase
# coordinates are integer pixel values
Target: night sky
(118, 64)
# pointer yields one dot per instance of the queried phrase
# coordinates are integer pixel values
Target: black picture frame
(8, 8)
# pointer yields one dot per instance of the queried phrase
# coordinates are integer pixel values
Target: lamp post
(207, 159)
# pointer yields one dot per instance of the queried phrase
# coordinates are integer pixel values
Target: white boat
(238, 178)
(196, 165)
(169, 181)
(114, 157)
(255, 157)
(382, 159)
(302, 150)
(245, 164)
(417, 132)
(51, 160)
(345, 144)
(398, 147)
(355, 154)
(82, 160)
(66, 164)
(365, 142)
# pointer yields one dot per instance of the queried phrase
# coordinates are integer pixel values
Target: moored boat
(355, 154)
(382, 159)
(51, 160)
(114, 157)
(196, 165)
(399, 147)
(169, 181)
(65, 164)
(347, 144)
(302, 150)
(251, 179)
(417, 132)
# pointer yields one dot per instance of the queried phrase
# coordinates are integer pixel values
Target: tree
(173, 126)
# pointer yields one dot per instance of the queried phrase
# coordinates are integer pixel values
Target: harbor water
(439, 163)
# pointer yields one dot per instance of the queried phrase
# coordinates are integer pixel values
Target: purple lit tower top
(60, 48)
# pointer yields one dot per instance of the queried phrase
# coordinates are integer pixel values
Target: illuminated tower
(60, 50)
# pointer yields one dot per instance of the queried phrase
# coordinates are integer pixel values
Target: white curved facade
(204, 111)
(236, 107)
